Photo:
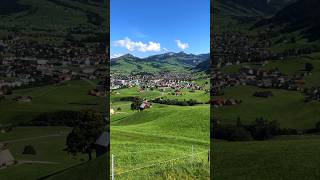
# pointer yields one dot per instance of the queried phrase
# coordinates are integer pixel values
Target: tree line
(259, 129)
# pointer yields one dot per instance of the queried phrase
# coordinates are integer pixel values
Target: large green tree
(87, 129)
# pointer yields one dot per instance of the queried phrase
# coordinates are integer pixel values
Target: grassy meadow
(286, 158)
(163, 142)
(71, 95)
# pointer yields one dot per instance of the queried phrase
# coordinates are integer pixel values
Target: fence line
(162, 162)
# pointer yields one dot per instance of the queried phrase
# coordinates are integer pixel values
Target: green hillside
(96, 169)
(52, 15)
(68, 96)
(285, 158)
(164, 134)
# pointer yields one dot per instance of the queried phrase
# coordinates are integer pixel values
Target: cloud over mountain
(182, 45)
(137, 45)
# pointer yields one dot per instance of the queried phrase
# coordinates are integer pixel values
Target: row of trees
(190, 102)
(259, 129)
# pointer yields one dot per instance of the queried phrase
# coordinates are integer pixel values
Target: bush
(318, 126)
(190, 102)
(231, 133)
(29, 149)
(264, 94)
(308, 67)
(262, 129)
(60, 118)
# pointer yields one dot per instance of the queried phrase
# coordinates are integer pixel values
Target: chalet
(112, 112)
(230, 102)
(218, 102)
(64, 77)
(23, 98)
(145, 105)
(6, 158)
(96, 92)
(102, 144)
(178, 93)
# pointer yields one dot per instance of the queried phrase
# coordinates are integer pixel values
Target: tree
(87, 129)
(29, 150)
(318, 126)
(308, 67)
(239, 124)
(135, 105)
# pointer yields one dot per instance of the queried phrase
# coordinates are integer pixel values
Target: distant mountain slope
(237, 15)
(8, 7)
(52, 15)
(303, 15)
(249, 7)
(203, 66)
(173, 62)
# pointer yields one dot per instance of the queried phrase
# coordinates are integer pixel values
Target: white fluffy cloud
(137, 46)
(182, 45)
(115, 55)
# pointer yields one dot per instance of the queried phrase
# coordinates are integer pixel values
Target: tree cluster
(190, 102)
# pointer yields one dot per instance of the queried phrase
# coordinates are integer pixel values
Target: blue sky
(147, 27)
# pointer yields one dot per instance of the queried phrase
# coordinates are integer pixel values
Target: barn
(6, 158)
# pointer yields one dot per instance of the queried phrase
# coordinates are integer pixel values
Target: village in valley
(246, 60)
(166, 84)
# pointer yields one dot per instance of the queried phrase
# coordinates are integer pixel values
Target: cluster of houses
(235, 47)
(25, 62)
(268, 79)
(312, 94)
(162, 81)
(217, 102)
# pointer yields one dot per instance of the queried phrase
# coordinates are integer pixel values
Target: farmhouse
(96, 92)
(102, 144)
(6, 158)
(23, 98)
(145, 105)
(112, 112)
